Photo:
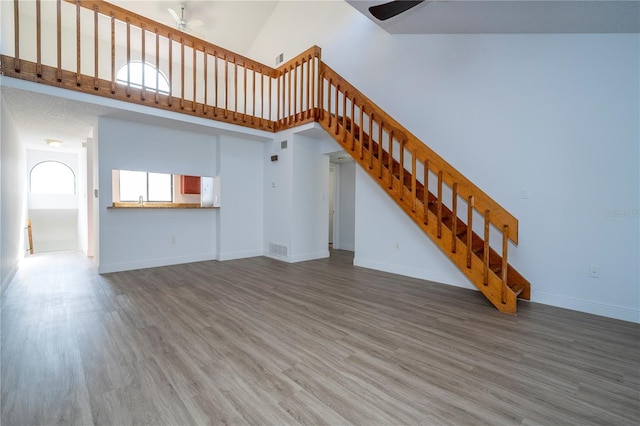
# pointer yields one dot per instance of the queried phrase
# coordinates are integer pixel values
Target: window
(52, 177)
(152, 76)
(152, 187)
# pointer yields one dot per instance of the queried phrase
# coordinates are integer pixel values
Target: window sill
(158, 206)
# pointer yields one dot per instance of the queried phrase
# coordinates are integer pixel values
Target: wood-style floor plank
(261, 342)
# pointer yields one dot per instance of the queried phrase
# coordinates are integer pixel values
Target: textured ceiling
(39, 117)
(511, 17)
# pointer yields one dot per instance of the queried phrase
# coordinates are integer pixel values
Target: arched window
(133, 73)
(52, 177)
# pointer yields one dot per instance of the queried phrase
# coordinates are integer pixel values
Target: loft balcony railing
(83, 45)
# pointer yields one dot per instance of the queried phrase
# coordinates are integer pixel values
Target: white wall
(139, 238)
(278, 199)
(241, 195)
(12, 196)
(296, 196)
(556, 115)
(310, 200)
(346, 206)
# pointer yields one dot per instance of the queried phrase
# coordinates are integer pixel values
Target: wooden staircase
(393, 157)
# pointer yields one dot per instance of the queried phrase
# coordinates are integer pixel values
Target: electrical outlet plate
(594, 271)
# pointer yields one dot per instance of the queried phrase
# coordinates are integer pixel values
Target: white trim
(8, 279)
(300, 257)
(586, 306)
(239, 255)
(154, 263)
(347, 247)
(409, 272)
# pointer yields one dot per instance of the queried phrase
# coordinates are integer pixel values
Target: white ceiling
(511, 17)
(232, 24)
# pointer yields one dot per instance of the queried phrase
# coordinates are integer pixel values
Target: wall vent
(277, 250)
(280, 59)
(283, 145)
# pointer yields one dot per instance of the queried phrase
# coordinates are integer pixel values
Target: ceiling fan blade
(195, 23)
(385, 11)
(175, 15)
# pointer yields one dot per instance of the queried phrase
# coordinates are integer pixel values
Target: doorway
(342, 202)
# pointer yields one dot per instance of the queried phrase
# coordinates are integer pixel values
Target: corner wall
(241, 196)
(296, 196)
(13, 196)
(554, 117)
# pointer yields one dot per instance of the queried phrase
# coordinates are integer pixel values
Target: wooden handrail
(450, 175)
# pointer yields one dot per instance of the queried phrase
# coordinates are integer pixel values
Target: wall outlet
(594, 271)
(524, 194)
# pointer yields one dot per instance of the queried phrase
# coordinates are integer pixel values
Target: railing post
(195, 78)
(470, 201)
(337, 110)
(380, 132)
(59, 38)
(157, 98)
(413, 181)
(454, 217)
(143, 91)
(487, 223)
(425, 192)
(170, 43)
(401, 169)
(16, 34)
(505, 264)
(95, 46)
(361, 129)
(39, 39)
(128, 57)
(181, 73)
(370, 136)
(113, 52)
(78, 62)
(390, 159)
(439, 205)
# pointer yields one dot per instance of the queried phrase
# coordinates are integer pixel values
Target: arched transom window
(135, 72)
(52, 177)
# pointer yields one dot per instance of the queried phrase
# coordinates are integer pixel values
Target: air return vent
(277, 250)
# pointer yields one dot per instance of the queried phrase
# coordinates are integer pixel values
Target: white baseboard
(309, 256)
(410, 272)
(299, 258)
(154, 263)
(602, 309)
(347, 247)
(8, 278)
(239, 255)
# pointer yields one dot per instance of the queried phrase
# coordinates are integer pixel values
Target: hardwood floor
(257, 341)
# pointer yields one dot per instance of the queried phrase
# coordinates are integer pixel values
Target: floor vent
(277, 249)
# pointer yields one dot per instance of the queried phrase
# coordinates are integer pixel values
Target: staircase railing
(442, 201)
(82, 44)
